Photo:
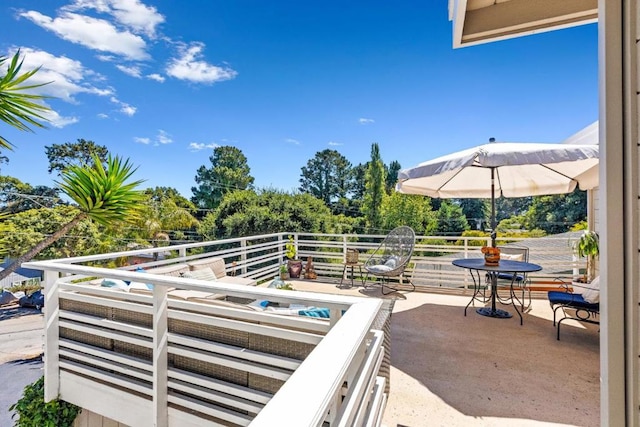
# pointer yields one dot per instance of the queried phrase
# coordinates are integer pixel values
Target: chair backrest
(397, 245)
(516, 253)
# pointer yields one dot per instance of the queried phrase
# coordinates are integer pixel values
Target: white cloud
(106, 58)
(364, 121)
(292, 141)
(58, 121)
(131, 13)
(103, 116)
(156, 77)
(189, 66)
(335, 144)
(133, 71)
(93, 33)
(198, 146)
(163, 137)
(128, 109)
(125, 108)
(65, 77)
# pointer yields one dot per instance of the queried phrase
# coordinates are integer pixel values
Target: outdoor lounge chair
(583, 306)
(391, 258)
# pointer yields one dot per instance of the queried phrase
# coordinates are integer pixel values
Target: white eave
(587, 136)
(483, 21)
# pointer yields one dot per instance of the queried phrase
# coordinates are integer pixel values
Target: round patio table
(504, 266)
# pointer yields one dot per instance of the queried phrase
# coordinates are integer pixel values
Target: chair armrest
(563, 284)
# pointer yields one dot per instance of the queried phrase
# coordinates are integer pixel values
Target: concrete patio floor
(452, 370)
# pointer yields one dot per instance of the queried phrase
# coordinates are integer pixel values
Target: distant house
(20, 276)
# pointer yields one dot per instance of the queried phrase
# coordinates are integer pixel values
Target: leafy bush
(34, 412)
(473, 233)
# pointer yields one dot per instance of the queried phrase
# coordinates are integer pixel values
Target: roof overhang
(483, 21)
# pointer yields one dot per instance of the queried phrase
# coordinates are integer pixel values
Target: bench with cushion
(218, 268)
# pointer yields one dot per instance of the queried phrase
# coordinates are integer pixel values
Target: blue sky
(163, 82)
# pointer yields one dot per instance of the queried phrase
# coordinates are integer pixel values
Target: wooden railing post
(160, 356)
(52, 336)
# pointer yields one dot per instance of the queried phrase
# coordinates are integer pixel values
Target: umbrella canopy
(504, 169)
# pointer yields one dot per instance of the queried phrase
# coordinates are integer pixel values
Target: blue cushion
(576, 300)
(315, 312)
(509, 276)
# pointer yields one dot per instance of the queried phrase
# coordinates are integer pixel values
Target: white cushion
(512, 257)
(379, 268)
(391, 262)
(139, 286)
(201, 274)
(592, 292)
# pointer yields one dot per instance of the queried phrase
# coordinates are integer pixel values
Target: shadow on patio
(450, 370)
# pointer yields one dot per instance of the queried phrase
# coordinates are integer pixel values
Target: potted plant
(283, 272)
(491, 255)
(294, 266)
(588, 245)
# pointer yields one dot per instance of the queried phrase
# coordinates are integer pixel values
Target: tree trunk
(40, 246)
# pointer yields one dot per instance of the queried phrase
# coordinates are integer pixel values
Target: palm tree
(18, 108)
(103, 195)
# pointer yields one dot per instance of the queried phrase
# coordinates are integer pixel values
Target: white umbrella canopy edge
(521, 169)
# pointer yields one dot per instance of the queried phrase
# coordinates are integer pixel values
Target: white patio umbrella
(504, 169)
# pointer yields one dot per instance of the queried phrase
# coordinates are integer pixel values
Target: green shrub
(26, 287)
(34, 412)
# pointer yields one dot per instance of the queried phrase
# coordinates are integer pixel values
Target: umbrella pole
(493, 208)
(494, 276)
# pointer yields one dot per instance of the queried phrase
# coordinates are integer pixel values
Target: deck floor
(452, 370)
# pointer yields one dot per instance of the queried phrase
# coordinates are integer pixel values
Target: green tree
(103, 195)
(411, 210)
(160, 194)
(17, 196)
(557, 213)
(18, 107)
(359, 185)
(229, 171)
(374, 190)
(508, 207)
(392, 176)
(81, 152)
(327, 176)
(4, 159)
(451, 220)
(164, 214)
(28, 228)
(246, 213)
(476, 211)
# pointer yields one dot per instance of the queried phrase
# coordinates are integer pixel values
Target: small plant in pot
(294, 265)
(588, 245)
(284, 274)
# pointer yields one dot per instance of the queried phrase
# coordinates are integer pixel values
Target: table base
(489, 312)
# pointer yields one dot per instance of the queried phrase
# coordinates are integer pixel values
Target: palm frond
(17, 107)
(105, 195)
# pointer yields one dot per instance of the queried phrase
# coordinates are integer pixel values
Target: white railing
(123, 356)
(260, 257)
